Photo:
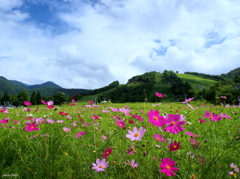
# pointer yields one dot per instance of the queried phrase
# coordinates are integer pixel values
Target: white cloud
(115, 40)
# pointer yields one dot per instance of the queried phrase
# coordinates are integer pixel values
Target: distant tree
(38, 97)
(59, 98)
(34, 98)
(5, 97)
(177, 72)
(23, 96)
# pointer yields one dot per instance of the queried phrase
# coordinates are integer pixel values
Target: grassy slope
(195, 80)
(164, 88)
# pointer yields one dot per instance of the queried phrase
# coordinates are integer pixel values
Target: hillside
(47, 89)
(142, 88)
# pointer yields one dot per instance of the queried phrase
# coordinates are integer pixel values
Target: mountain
(47, 89)
(49, 83)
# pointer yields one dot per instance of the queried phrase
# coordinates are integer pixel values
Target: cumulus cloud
(97, 42)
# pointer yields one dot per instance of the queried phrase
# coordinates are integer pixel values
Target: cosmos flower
(107, 152)
(120, 123)
(136, 134)
(160, 95)
(100, 165)
(66, 129)
(174, 124)
(155, 119)
(31, 127)
(132, 164)
(174, 146)
(159, 137)
(212, 117)
(167, 167)
(27, 103)
(80, 134)
(188, 100)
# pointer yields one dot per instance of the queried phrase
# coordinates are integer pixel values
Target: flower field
(131, 140)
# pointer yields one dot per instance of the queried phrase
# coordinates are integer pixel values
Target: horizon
(90, 43)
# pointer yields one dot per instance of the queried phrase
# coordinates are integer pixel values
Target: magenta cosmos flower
(160, 95)
(174, 123)
(155, 119)
(212, 117)
(27, 103)
(174, 146)
(100, 165)
(159, 137)
(31, 127)
(80, 134)
(107, 152)
(136, 134)
(120, 123)
(167, 167)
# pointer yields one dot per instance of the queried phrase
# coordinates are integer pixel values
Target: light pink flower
(66, 129)
(100, 165)
(188, 100)
(212, 117)
(136, 134)
(132, 164)
(104, 137)
(60, 121)
(159, 137)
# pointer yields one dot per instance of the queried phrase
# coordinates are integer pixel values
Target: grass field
(65, 142)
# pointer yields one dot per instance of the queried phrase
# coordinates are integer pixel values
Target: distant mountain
(47, 84)
(20, 83)
(46, 89)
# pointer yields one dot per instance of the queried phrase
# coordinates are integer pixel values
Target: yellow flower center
(100, 166)
(174, 146)
(155, 118)
(211, 117)
(136, 135)
(107, 153)
(172, 123)
(130, 164)
(168, 167)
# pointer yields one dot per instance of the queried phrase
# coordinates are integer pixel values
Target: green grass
(61, 155)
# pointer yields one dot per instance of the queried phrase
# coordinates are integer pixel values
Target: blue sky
(91, 43)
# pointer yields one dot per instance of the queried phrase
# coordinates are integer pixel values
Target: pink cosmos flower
(100, 165)
(191, 134)
(69, 117)
(202, 121)
(31, 127)
(160, 95)
(136, 134)
(138, 117)
(66, 129)
(44, 102)
(167, 167)
(96, 117)
(26, 109)
(107, 152)
(159, 137)
(114, 109)
(132, 164)
(60, 121)
(85, 124)
(224, 116)
(105, 111)
(194, 143)
(188, 100)
(3, 110)
(74, 101)
(174, 146)
(155, 119)
(212, 117)
(223, 97)
(104, 137)
(80, 134)
(174, 124)
(50, 121)
(91, 102)
(4, 121)
(27, 103)
(124, 111)
(120, 123)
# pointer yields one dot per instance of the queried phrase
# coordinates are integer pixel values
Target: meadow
(130, 140)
